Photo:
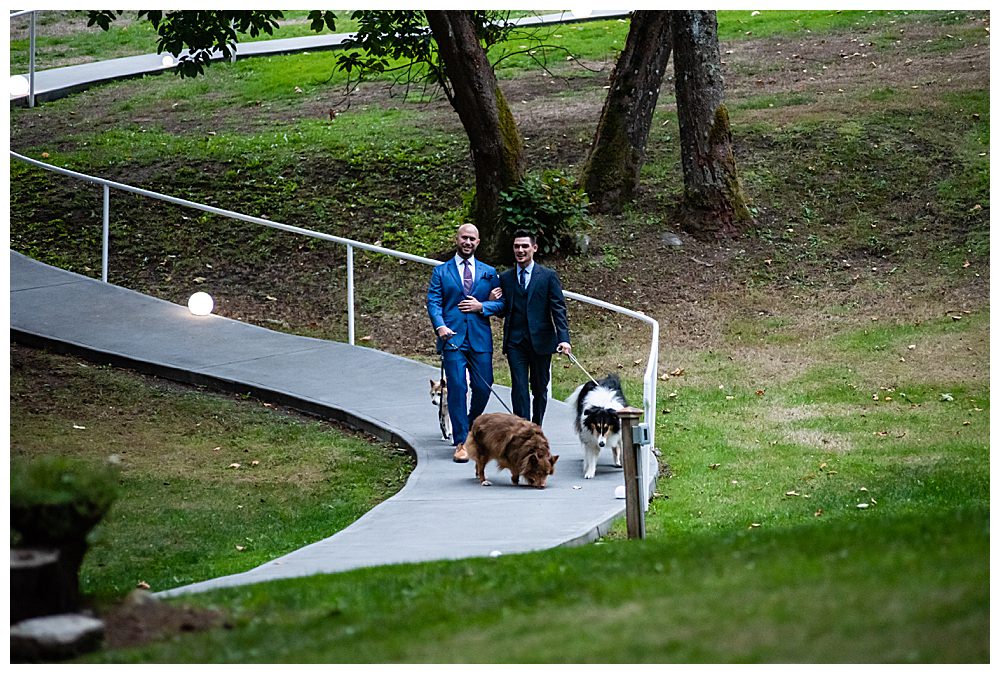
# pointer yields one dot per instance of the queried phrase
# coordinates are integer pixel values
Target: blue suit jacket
(445, 292)
(547, 322)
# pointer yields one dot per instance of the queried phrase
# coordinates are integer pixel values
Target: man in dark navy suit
(459, 308)
(535, 327)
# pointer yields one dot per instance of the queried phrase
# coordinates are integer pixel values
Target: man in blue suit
(459, 307)
(535, 326)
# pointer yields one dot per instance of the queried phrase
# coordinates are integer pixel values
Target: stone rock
(140, 597)
(56, 637)
(671, 239)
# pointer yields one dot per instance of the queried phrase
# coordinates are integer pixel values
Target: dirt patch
(141, 619)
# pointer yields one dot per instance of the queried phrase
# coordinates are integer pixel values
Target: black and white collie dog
(596, 422)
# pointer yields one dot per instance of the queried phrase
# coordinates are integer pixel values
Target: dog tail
(574, 396)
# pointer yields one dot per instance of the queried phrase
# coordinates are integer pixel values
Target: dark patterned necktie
(522, 279)
(467, 277)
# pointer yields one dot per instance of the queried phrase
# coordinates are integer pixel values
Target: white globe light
(18, 85)
(167, 60)
(620, 491)
(201, 304)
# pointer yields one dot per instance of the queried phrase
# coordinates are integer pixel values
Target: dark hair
(523, 233)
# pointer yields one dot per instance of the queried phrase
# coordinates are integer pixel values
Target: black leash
(473, 371)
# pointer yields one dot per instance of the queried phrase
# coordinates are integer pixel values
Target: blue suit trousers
(479, 365)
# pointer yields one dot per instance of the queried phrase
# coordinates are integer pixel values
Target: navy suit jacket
(445, 292)
(547, 323)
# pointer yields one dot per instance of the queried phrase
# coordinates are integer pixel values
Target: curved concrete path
(441, 513)
(55, 83)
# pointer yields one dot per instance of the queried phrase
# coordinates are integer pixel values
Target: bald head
(467, 240)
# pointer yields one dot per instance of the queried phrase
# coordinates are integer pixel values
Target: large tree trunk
(611, 173)
(497, 148)
(714, 205)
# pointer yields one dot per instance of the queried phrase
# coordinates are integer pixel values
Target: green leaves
(548, 204)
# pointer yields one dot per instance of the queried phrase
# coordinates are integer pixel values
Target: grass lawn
(823, 394)
(211, 484)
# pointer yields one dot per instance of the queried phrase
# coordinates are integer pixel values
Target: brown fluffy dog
(517, 445)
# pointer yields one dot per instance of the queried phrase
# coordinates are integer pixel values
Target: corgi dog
(439, 397)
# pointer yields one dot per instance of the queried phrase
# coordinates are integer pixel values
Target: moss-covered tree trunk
(714, 204)
(611, 172)
(496, 145)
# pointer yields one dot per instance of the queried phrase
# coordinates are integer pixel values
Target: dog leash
(577, 363)
(455, 348)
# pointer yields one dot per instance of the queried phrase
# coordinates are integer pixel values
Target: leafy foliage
(548, 204)
(400, 41)
(205, 34)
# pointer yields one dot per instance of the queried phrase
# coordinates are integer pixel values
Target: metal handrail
(649, 377)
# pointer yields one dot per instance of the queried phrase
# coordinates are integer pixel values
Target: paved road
(54, 83)
(441, 513)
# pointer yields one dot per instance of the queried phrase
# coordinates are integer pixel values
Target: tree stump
(39, 584)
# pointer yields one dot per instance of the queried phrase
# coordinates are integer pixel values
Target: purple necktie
(467, 278)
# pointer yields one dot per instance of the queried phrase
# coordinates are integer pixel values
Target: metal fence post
(31, 60)
(635, 519)
(350, 294)
(105, 237)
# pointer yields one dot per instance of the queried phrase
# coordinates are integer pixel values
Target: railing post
(635, 519)
(105, 233)
(350, 294)
(31, 60)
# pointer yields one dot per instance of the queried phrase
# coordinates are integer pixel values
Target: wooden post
(634, 512)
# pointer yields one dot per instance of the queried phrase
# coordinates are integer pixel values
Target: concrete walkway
(54, 83)
(441, 513)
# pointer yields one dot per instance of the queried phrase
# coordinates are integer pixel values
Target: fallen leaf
(818, 513)
(637, 361)
(255, 463)
(215, 449)
(240, 548)
(862, 506)
(755, 525)
(233, 465)
(679, 372)
(199, 279)
(142, 585)
(79, 428)
(714, 465)
(760, 391)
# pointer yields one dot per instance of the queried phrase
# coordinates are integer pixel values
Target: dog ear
(553, 460)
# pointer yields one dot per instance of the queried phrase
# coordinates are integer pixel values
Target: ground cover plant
(823, 385)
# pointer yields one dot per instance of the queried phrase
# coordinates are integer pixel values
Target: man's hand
(444, 332)
(496, 293)
(564, 347)
(470, 305)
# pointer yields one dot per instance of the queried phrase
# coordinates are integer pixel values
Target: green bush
(57, 500)
(549, 205)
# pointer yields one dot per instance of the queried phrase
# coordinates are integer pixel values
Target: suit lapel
(536, 278)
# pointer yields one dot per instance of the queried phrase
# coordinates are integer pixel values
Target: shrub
(56, 500)
(549, 205)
